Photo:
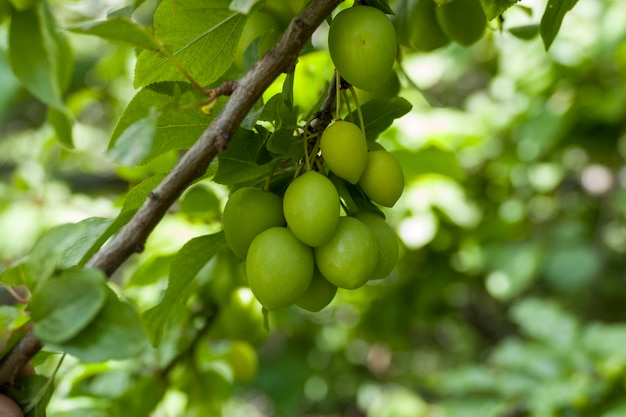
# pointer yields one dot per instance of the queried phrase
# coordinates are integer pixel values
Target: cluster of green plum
(299, 249)
(425, 26)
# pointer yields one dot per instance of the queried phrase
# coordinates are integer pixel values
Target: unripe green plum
(383, 179)
(344, 150)
(388, 89)
(311, 207)
(463, 21)
(349, 258)
(362, 44)
(242, 317)
(386, 243)
(422, 30)
(248, 212)
(279, 268)
(319, 294)
(243, 360)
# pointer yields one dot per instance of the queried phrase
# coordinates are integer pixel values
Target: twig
(194, 163)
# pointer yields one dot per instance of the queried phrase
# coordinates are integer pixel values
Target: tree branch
(194, 163)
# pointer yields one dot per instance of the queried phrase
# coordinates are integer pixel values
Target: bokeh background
(510, 296)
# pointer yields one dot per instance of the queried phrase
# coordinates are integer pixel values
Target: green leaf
(119, 29)
(200, 202)
(381, 4)
(135, 142)
(33, 394)
(140, 399)
(545, 321)
(40, 55)
(526, 32)
(494, 8)
(176, 128)
(204, 48)
(188, 262)
(115, 333)
(61, 122)
(606, 340)
(552, 18)
(427, 161)
(242, 6)
(379, 114)
(60, 248)
(238, 164)
(64, 306)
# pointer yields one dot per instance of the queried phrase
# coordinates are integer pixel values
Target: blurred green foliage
(509, 296)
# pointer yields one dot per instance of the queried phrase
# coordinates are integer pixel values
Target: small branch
(194, 163)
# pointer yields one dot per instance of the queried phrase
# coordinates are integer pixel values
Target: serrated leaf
(545, 321)
(115, 333)
(119, 29)
(188, 262)
(201, 36)
(176, 128)
(40, 55)
(64, 306)
(135, 142)
(494, 8)
(91, 232)
(552, 18)
(238, 164)
(379, 114)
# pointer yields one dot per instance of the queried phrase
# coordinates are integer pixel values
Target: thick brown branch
(195, 162)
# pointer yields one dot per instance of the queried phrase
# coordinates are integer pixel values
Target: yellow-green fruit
(279, 268)
(383, 179)
(388, 89)
(386, 243)
(349, 258)
(426, 34)
(243, 360)
(248, 212)
(259, 24)
(311, 207)
(344, 150)
(463, 21)
(319, 294)
(362, 44)
(242, 317)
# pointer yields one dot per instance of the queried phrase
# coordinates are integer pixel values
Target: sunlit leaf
(64, 306)
(201, 37)
(119, 29)
(494, 8)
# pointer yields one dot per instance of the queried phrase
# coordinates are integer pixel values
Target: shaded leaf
(381, 4)
(430, 160)
(238, 163)
(188, 262)
(552, 18)
(64, 306)
(176, 128)
(115, 333)
(33, 394)
(120, 29)
(62, 124)
(201, 36)
(379, 114)
(525, 32)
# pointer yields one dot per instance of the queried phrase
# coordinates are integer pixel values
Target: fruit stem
(347, 101)
(305, 144)
(358, 108)
(337, 95)
(268, 181)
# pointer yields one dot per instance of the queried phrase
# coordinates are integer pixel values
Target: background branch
(194, 163)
